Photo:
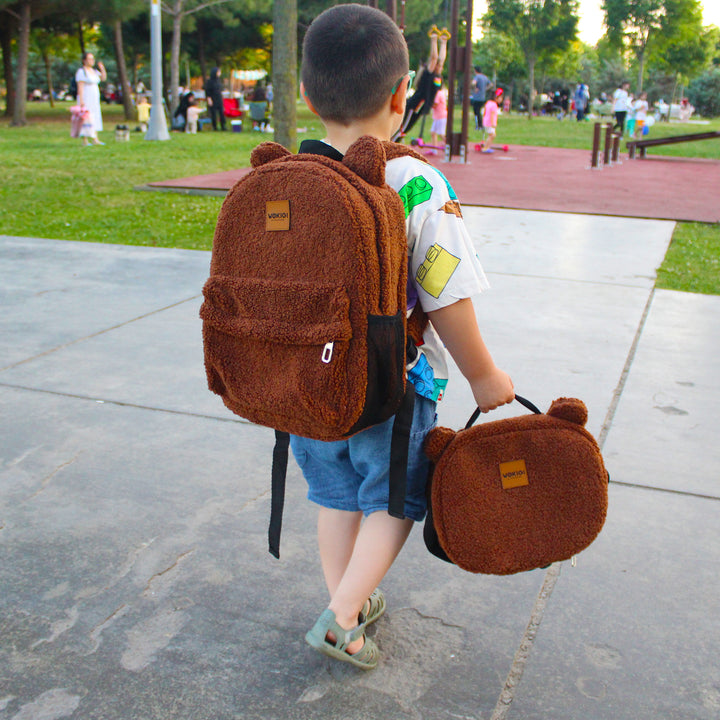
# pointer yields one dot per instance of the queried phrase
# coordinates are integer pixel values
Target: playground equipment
(611, 151)
(634, 145)
(419, 142)
(504, 148)
(459, 61)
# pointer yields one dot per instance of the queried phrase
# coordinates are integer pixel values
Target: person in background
(479, 87)
(439, 117)
(490, 118)
(213, 95)
(88, 80)
(582, 99)
(640, 106)
(620, 106)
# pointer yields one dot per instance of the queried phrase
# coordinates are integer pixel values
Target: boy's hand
(493, 390)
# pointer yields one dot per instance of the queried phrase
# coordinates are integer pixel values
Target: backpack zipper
(327, 352)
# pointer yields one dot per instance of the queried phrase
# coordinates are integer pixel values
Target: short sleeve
(442, 264)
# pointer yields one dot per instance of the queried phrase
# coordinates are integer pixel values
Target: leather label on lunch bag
(277, 215)
(514, 474)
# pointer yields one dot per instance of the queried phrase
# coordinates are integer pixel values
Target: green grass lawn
(54, 188)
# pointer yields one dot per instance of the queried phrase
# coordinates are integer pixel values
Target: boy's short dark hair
(353, 55)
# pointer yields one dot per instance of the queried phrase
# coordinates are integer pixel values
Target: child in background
(640, 106)
(193, 113)
(439, 124)
(490, 118)
(355, 77)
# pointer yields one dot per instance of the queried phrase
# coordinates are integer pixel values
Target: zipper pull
(327, 352)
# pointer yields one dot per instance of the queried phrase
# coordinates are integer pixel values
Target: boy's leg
(337, 533)
(378, 542)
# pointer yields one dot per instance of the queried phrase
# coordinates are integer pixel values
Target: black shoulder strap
(279, 473)
(399, 444)
(399, 453)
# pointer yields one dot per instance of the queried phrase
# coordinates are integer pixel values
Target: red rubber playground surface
(559, 180)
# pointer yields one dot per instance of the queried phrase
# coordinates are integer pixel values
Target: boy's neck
(341, 137)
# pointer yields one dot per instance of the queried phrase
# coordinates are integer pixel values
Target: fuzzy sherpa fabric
(517, 494)
(308, 253)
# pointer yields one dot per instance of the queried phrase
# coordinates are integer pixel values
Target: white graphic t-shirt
(442, 264)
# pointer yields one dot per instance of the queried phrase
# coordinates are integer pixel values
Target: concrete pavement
(135, 580)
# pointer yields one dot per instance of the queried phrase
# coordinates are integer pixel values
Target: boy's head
(354, 57)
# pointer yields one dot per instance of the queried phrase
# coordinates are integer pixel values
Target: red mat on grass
(538, 178)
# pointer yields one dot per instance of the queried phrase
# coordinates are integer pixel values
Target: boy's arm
(457, 327)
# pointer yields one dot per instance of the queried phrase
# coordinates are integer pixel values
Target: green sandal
(365, 658)
(376, 609)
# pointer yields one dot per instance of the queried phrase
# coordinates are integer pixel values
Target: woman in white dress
(88, 81)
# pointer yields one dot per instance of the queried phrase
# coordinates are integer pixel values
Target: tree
(178, 10)
(23, 15)
(634, 22)
(115, 13)
(285, 72)
(704, 93)
(538, 27)
(7, 31)
(498, 55)
(683, 46)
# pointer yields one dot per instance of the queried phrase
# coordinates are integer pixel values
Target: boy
(355, 76)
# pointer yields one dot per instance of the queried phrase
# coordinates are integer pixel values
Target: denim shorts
(353, 474)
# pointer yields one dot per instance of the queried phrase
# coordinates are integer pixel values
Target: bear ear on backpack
(366, 158)
(267, 152)
(570, 409)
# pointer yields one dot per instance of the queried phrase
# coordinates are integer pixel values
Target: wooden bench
(642, 145)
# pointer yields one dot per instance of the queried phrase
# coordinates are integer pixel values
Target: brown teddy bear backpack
(515, 494)
(304, 317)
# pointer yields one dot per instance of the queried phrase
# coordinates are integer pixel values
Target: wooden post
(595, 156)
(460, 60)
(608, 144)
(616, 148)
(452, 69)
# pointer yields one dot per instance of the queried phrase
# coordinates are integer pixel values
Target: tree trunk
(175, 56)
(81, 36)
(531, 92)
(6, 41)
(284, 73)
(201, 53)
(122, 70)
(48, 78)
(19, 118)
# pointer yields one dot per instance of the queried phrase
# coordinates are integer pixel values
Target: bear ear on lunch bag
(437, 440)
(570, 409)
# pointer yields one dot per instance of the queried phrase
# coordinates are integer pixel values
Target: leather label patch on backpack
(513, 474)
(277, 215)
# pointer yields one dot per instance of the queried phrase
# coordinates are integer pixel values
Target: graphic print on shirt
(437, 269)
(422, 376)
(415, 192)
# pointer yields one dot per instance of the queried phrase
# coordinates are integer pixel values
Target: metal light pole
(157, 126)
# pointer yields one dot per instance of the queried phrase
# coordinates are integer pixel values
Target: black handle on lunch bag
(519, 398)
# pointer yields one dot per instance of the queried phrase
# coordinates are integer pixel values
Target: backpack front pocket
(280, 353)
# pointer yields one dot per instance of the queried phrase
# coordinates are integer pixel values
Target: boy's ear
(399, 97)
(307, 99)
